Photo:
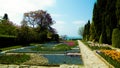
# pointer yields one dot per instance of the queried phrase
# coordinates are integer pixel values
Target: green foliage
(62, 47)
(101, 39)
(58, 47)
(14, 59)
(55, 37)
(92, 32)
(118, 12)
(5, 17)
(116, 38)
(86, 32)
(7, 28)
(11, 47)
(105, 19)
(6, 41)
(26, 34)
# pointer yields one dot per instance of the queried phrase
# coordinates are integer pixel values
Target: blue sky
(69, 15)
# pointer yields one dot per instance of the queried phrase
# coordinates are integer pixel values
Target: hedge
(116, 38)
(6, 41)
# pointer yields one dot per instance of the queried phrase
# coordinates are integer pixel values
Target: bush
(116, 38)
(6, 41)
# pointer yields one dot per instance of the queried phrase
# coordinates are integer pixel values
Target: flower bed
(58, 47)
(96, 46)
(71, 43)
(112, 56)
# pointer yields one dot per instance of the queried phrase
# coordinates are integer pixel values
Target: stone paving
(90, 60)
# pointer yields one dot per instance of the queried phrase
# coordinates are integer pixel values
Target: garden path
(90, 60)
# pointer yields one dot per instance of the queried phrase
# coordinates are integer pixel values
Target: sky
(69, 15)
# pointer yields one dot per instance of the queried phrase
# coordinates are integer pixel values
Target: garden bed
(14, 58)
(111, 56)
(97, 46)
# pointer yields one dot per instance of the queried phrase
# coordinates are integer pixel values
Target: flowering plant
(111, 56)
(70, 43)
(115, 55)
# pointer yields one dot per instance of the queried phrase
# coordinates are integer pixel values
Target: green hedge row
(6, 41)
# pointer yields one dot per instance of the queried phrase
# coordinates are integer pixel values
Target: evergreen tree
(116, 38)
(5, 17)
(92, 32)
(86, 32)
(118, 12)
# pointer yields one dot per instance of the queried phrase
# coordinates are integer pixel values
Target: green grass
(12, 47)
(7, 36)
(58, 47)
(14, 59)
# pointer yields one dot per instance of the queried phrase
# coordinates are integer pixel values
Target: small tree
(116, 38)
(5, 17)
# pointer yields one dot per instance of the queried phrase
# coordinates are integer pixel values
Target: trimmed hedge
(6, 41)
(116, 38)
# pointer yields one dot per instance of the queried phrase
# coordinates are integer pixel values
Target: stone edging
(110, 66)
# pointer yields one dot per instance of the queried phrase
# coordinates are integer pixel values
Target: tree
(40, 17)
(81, 29)
(86, 32)
(5, 17)
(116, 38)
(105, 20)
(92, 32)
(41, 22)
(26, 34)
(118, 12)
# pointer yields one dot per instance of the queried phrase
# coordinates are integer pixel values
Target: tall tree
(92, 32)
(86, 32)
(40, 17)
(118, 12)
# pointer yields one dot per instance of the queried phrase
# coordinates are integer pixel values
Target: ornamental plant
(111, 56)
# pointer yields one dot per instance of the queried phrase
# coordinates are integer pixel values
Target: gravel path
(90, 59)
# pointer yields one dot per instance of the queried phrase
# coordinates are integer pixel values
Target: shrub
(116, 38)
(6, 41)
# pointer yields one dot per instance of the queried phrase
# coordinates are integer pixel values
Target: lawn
(14, 59)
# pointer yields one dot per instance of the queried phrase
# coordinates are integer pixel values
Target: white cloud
(16, 8)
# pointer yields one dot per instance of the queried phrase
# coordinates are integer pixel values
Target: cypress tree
(5, 17)
(116, 38)
(118, 12)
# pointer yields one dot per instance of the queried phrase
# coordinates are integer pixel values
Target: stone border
(110, 66)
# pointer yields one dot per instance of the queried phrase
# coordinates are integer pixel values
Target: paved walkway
(90, 59)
